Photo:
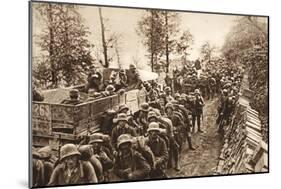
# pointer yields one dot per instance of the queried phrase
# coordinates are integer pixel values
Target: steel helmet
(45, 152)
(123, 107)
(124, 138)
(196, 91)
(132, 66)
(151, 114)
(168, 89)
(68, 150)
(96, 137)
(153, 126)
(144, 107)
(177, 95)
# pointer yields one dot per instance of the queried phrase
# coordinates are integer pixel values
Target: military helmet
(144, 107)
(121, 117)
(123, 107)
(177, 95)
(96, 137)
(225, 91)
(68, 150)
(122, 71)
(110, 88)
(132, 66)
(151, 114)
(73, 93)
(153, 126)
(45, 152)
(168, 89)
(85, 151)
(196, 91)
(124, 138)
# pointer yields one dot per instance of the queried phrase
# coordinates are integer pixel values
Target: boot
(190, 144)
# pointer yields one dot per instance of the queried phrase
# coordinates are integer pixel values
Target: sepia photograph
(122, 94)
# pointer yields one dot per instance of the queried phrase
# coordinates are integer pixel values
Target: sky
(123, 21)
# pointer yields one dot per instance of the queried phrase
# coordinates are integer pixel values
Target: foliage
(64, 40)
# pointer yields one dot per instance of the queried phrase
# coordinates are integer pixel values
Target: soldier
(37, 169)
(73, 98)
(134, 81)
(93, 82)
(212, 87)
(129, 164)
(178, 126)
(223, 101)
(71, 170)
(197, 110)
(122, 127)
(106, 122)
(46, 157)
(141, 118)
(37, 95)
(87, 154)
(102, 152)
(122, 80)
(159, 149)
(168, 94)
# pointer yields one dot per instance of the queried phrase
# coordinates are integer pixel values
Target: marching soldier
(197, 110)
(102, 152)
(159, 149)
(48, 162)
(122, 127)
(71, 170)
(129, 164)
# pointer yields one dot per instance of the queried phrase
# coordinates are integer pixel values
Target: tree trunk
(167, 42)
(54, 78)
(103, 40)
(151, 42)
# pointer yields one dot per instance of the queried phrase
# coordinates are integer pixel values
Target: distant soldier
(212, 87)
(134, 80)
(94, 80)
(73, 98)
(123, 80)
(122, 128)
(159, 149)
(71, 170)
(197, 110)
(168, 94)
(129, 164)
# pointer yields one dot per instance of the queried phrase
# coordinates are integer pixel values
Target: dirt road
(204, 159)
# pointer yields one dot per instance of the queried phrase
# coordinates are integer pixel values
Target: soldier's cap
(153, 126)
(73, 92)
(68, 150)
(110, 88)
(157, 112)
(123, 107)
(96, 138)
(45, 152)
(151, 114)
(121, 117)
(144, 107)
(124, 138)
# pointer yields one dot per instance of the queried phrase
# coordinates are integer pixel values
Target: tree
(150, 28)
(207, 51)
(64, 39)
(184, 44)
(110, 43)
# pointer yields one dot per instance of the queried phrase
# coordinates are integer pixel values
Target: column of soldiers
(145, 144)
